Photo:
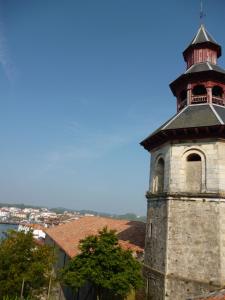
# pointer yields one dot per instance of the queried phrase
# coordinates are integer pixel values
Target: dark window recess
(193, 157)
(199, 90)
(217, 91)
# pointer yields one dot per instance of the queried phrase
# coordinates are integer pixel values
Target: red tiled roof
(131, 234)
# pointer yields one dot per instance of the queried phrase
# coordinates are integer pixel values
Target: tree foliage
(22, 259)
(103, 263)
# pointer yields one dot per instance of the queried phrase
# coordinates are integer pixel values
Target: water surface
(5, 227)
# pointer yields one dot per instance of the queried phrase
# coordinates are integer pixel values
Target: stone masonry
(185, 239)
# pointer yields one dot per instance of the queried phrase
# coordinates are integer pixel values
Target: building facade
(185, 236)
(65, 240)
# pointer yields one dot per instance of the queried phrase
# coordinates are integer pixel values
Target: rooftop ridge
(203, 36)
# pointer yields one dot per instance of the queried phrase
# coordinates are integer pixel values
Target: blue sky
(81, 84)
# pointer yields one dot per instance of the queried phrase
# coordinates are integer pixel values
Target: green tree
(23, 260)
(103, 263)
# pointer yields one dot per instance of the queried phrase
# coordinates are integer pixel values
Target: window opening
(158, 184)
(193, 173)
(150, 230)
(217, 91)
(199, 90)
(193, 157)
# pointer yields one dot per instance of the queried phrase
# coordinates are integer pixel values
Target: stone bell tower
(185, 238)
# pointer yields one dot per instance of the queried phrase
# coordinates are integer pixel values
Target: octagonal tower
(185, 238)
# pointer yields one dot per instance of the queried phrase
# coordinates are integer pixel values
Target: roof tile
(131, 234)
(203, 67)
(203, 36)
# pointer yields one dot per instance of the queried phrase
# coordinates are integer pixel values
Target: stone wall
(222, 241)
(193, 246)
(155, 248)
(155, 289)
(184, 252)
(181, 289)
(175, 154)
(185, 237)
(156, 235)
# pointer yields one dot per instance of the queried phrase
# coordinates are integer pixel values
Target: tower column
(209, 94)
(189, 94)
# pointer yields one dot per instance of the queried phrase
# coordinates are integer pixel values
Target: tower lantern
(203, 48)
(185, 239)
(203, 81)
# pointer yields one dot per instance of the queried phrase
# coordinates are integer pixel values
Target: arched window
(217, 91)
(193, 173)
(158, 180)
(199, 94)
(199, 90)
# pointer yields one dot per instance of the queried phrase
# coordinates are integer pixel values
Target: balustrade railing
(199, 99)
(218, 100)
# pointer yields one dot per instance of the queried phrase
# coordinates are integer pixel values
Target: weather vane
(202, 14)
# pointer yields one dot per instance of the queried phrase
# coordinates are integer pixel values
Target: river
(5, 227)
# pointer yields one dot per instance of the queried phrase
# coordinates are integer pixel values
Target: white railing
(199, 99)
(218, 100)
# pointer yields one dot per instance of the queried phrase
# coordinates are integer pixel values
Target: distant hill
(127, 216)
(61, 210)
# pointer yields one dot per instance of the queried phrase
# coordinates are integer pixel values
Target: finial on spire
(202, 14)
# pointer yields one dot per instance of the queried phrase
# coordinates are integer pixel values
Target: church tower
(185, 237)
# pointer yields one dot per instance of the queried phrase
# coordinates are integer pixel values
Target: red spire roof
(202, 40)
